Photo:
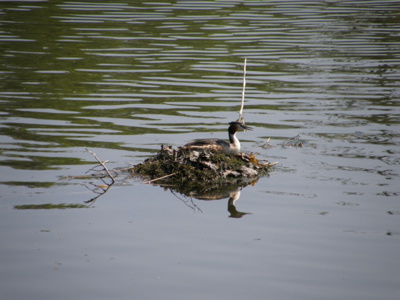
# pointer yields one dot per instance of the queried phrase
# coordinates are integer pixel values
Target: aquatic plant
(196, 169)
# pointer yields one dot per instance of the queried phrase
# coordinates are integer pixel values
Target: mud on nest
(200, 168)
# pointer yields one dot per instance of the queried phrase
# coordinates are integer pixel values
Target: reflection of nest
(200, 174)
(204, 175)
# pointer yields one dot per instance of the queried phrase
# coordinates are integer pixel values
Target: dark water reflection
(123, 78)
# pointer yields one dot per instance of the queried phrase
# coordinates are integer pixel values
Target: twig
(162, 177)
(102, 164)
(192, 206)
(243, 90)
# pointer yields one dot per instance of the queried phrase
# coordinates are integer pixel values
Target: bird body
(233, 147)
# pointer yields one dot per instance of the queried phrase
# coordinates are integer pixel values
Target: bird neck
(234, 141)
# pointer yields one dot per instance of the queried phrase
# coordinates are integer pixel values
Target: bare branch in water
(102, 164)
(100, 189)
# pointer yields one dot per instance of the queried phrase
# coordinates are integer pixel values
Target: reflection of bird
(232, 193)
(233, 147)
(233, 196)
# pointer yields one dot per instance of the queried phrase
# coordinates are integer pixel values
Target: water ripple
(172, 64)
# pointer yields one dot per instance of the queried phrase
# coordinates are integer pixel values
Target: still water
(122, 78)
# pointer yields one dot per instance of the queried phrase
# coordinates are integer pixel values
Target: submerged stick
(102, 164)
(162, 177)
(243, 90)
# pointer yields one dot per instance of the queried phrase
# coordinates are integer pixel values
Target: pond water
(122, 78)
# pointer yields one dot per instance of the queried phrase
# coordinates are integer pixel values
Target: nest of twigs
(190, 169)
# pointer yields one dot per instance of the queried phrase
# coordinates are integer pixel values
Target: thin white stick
(162, 177)
(244, 87)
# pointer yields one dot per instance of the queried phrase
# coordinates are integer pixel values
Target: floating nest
(200, 172)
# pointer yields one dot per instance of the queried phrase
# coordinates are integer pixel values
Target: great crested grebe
(233, 147)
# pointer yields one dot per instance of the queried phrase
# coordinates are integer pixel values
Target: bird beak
(245, 127)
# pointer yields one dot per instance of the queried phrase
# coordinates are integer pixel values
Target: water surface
(121, 79)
